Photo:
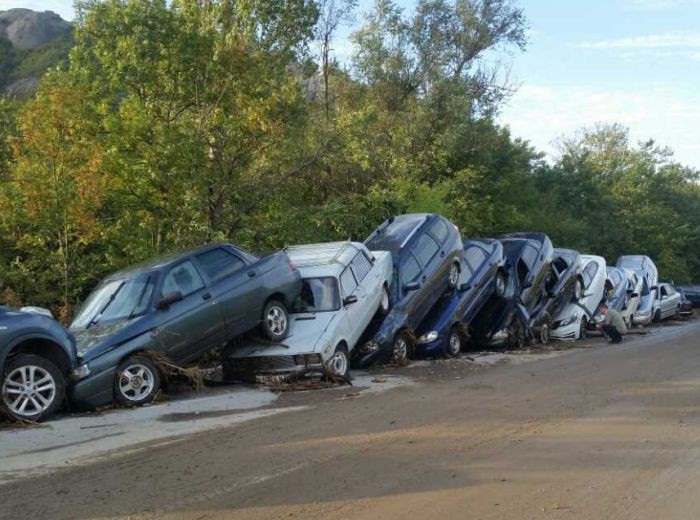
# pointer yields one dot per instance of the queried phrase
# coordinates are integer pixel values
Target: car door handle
(206, 296)
(251, 274)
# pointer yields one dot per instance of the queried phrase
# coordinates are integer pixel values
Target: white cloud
(544, 114)
(650, 41)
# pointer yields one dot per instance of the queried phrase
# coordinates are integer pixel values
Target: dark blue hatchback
(427, 251)
(446, 328)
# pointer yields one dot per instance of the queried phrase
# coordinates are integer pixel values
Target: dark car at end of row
(175, 307)
(426, 251)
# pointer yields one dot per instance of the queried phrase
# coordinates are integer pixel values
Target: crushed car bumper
(271, 368)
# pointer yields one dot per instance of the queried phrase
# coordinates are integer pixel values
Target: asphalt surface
(605, 431)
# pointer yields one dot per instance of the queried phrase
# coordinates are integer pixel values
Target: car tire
(583, 328)
(33, 388)
(453, 346)
(453, 277)
(402, 348)
(339, 364)
(578, 291)
(657, 316)
(500, 282)
(137, 381)
(275, 321)
(384, 305)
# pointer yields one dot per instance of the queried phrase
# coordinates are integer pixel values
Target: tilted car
(669, 302)
(507, 321)
(615, 295)
(573, 320)
(645, 268)
(692, 292)
(634, 288)
(563, 286)
(37, 357)
(344, 286)
(426, 252)
(446, 328)
(179, 307)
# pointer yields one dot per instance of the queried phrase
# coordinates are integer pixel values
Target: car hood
(305, 331)
(98, 339)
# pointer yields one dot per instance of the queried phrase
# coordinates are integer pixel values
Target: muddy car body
(483, 275)
(645, 268)
(573, 320)
(692, 293)
(345, 286)
(507, 321)
(426, 252)
(37, 358)
(669, 302)
(177, 307)
(686, 304)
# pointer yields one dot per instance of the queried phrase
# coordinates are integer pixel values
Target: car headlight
(567, 321)
(369, 347)
(428, 337)
(81, 372)
(501, 335)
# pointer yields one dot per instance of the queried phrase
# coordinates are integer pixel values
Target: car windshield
(319, 295)
(116, 300)
(392, 236)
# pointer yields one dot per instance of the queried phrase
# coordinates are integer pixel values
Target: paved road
(607, 432)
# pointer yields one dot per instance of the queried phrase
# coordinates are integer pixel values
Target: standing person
(613, 326)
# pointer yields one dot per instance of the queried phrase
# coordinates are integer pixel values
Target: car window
(529, 255)
(410, 270)
(182, 278)
(523, 271)
(347, 282)
(360, 266)
(439, 230)
(319, 295)
(219, 263)
(475, 256)
(664, 291)
(589, 274)
(425, 249)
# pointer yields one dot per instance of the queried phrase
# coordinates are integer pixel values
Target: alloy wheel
(136, 382)
(28, 391)
(276, 320)
(454, 346)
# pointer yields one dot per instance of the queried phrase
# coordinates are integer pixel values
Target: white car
(572, 321)
(667, 302)
(345, 286)
(634, 290)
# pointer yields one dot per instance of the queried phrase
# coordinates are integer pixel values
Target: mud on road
(574, 430)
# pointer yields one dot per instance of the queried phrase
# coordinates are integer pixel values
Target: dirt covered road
(604, 432)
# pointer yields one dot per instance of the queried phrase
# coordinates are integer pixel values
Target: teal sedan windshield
(116, 300)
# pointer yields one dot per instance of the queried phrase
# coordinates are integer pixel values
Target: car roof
(164, 260)
(395, 232)
(329, 258)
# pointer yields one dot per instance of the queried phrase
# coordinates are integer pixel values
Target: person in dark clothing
(613, 326)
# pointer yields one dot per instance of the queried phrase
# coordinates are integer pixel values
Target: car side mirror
(411, 286)
(168, 299)
(350, 299)
(634, 295)
(465, 287)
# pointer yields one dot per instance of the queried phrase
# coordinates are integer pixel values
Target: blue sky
(636, 62)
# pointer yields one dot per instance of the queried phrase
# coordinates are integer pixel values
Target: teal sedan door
(194, 324)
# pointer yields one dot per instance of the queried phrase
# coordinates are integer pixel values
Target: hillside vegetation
(183, 122)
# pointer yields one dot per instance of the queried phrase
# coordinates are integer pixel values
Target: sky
(634, 62)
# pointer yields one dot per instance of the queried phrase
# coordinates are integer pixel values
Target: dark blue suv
(427, 252)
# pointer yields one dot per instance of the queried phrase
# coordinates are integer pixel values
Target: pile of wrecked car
(414, 288)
